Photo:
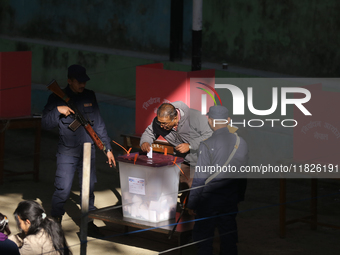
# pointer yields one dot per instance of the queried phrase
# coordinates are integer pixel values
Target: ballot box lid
(157, 160)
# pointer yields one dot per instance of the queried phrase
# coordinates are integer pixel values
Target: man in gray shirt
(182, 127)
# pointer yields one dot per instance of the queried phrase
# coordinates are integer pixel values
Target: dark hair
(35, 213)
(167, 110)
(4, 224)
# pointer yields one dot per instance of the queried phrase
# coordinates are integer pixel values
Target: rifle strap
(227, 162)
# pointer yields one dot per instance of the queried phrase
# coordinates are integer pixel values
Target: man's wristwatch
(189, 147)
(108, 150)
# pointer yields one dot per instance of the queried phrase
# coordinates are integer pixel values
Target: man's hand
(65, 110)
(111, 159)
(191, 212)
(183, 147)
(145, 147)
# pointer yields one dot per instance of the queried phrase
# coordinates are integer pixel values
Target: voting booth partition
(15, 84)
(316, 139)
(317, 136)
(155, 85)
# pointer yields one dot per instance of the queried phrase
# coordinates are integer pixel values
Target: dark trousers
(227, 229)
(66, 168)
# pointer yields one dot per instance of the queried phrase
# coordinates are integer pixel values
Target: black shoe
(93, 230)
(57, 219)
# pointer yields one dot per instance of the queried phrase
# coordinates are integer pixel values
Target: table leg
(282, 219)
(314, 203)
(2, 150)
(183, 238)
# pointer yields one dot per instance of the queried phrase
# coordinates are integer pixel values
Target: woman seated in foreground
(39, 233)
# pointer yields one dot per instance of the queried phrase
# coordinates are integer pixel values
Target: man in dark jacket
(214, 199)
(70, 146)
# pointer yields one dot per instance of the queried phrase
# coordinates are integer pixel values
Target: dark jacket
(7, 246)
(71, 142)
(226, 189)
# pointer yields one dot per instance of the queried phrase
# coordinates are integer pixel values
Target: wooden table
(20, 123)
(114, 215)
(311, 218)
(158, 145)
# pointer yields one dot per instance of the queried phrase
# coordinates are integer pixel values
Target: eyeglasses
(163, 124)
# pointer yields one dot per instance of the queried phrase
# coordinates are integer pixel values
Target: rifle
(79, 119)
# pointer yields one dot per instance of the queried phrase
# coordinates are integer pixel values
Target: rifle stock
(54, 87)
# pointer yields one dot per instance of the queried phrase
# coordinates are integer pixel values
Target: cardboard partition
(15, 102)
(317, 137)
(15, 84)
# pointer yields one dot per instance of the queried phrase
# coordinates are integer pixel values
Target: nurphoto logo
(238, 108)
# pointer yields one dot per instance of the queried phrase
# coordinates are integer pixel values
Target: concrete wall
(111, 74)
(135, 25)
(293, 37)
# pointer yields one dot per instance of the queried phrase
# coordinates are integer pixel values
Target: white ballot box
(149, 186)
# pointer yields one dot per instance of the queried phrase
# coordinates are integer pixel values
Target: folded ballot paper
(149, 155)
